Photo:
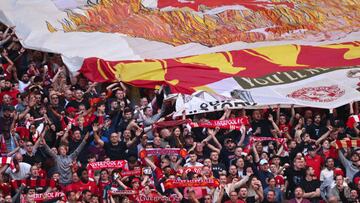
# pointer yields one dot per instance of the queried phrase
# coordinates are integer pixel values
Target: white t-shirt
(23, 86)
(196, 164)
(23, 172)
(326, 174)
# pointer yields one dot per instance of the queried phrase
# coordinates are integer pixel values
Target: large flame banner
(303, 52)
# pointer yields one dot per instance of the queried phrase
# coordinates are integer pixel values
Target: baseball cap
(263, 161)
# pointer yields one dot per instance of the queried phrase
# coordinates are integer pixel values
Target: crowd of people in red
(66, 139)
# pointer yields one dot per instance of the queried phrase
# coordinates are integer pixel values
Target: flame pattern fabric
(244, 20)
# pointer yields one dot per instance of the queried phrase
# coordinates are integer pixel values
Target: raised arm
(64, 138)
(293, 113)
(80, 147)
(221, 194)
(256, 154)
(351, 105)
(96, 135)
(134, 141)
(226, 114)
(213, 137)
(271, 119)
(278, 114)
(213, 148)
(346, 163)
(241, 182)
(324, 136)
(16, 197)
(243, 133)
(150, 163)
(47, 149)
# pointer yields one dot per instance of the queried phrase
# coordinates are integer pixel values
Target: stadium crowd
(66, 139)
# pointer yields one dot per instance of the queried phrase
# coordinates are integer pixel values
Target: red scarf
(92, 167)
(186, 170)
(165, 124)
(122, 192)
(44, 196)
(212, 183)
(235, 123)
(160, 151)
(257, 139)
(135, 172)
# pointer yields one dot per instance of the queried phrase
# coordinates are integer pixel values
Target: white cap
(263, 161)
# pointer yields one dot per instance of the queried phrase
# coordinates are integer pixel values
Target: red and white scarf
(39, 197)
(8, 160)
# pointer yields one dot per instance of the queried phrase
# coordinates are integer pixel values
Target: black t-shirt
(122, 125)
(295, 178)
(265, 127)
(311, 186)
(226, 156)
(31, 159)
(76, 104)
(115, 152)
(216, 168)
(315, 131)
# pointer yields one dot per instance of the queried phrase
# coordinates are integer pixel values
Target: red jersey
(316, 163)
(101, 186)
(332, 152)
(90, 185)
(284, 128)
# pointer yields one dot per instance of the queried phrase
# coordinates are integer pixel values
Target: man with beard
(227, 153)
(115, 149)
(299, 196)
(316, 129)
(270, 197)
(126, 119)
(5, 126)
(11, 92)
(261, 127)
(24, 82)
(85, 183)
(79, 99)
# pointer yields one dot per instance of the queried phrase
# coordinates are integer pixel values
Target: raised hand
(138, 132)
(95, 127)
